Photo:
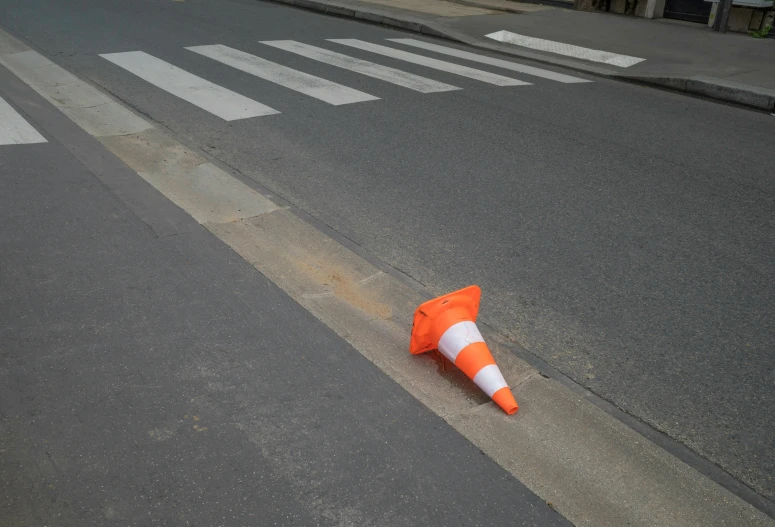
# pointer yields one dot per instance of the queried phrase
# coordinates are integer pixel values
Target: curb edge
(744, 95)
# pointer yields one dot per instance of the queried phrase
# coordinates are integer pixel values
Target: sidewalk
(679, 56)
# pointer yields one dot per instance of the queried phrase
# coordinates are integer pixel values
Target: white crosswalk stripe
(441, 65)
(215, 99)
(521, 68)
(14, 129)
(364, 67)
(311, 85)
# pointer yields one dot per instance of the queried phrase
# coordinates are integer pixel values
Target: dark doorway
(689, 10)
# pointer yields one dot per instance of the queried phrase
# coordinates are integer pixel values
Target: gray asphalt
(150, 376)
(623, 234)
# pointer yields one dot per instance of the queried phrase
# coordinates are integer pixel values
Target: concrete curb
(710, 87)
(713, 88)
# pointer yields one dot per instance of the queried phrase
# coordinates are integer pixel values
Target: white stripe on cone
(490, 379)
(457, 337)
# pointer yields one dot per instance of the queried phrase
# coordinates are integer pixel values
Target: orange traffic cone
(448, 324)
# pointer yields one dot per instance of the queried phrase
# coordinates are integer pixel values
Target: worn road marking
(364, 67)
(14, 129)
(200, 188)
(215, 99)
(521, 68)
(327, 91)
(569, 50)
(91, 109)
(441, 65)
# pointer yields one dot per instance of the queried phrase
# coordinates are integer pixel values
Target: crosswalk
(230, 105)
(364, 67)
(14, 129)
(520, 68)
(316, 87)
(215, 99)
(449, 67)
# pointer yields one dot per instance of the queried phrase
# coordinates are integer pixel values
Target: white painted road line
(521, 68)
(441, 65)
(215, 99)
(569, 50)
(316, 87)
(14, 130)
(364, 67)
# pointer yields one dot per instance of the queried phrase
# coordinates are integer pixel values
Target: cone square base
(424, 334)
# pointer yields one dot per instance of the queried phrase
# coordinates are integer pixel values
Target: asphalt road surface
(623, 234)
(150, 376)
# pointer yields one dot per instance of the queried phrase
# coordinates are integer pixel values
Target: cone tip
(505, 399)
